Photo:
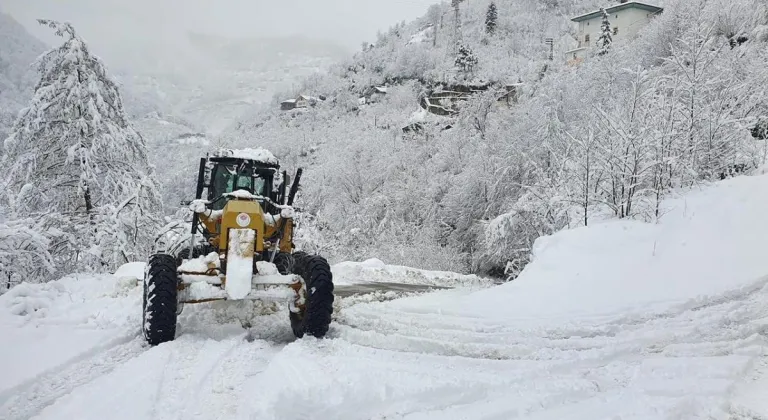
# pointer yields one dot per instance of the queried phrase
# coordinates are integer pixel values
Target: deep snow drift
(620, 320)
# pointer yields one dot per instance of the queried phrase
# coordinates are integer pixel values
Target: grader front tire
(315, 319)
(160, 300)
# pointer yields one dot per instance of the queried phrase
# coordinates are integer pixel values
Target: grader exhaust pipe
(289, 202)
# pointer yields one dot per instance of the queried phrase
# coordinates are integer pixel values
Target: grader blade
(239, 263)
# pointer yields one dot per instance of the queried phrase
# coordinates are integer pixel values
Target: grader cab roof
(259, 156)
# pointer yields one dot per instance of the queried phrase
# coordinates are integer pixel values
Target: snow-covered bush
(24, 253)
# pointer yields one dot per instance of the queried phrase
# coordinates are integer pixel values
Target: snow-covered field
(620, 320)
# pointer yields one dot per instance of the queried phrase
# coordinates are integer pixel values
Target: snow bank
(47, 325)
(709, 241)
(375, 271)
(132, 270)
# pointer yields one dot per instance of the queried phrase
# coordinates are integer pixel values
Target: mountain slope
(472, 191)
(17, 77)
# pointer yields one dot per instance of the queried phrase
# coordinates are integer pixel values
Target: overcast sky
(347, 22)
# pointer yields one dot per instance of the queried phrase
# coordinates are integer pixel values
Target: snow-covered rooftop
(259, 155)
(632, 4)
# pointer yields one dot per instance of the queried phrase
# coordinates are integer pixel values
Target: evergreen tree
(605, 39)
(466, 60)
(491, 18)
(74, 161)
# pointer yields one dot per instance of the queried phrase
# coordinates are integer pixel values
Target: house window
(615, 31)
(586, 39)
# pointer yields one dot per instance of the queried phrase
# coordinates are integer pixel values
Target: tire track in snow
(190, 363)
(29, 399)
(385, 328)
(220, 396)
(711, 339)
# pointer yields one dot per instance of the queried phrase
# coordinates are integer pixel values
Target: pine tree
(605, 39)
(74, 160)
(466, 60)
(491, 18)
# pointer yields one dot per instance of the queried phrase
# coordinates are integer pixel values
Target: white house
(626, 18)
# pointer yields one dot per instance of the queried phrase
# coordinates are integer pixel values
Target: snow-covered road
(620, 320)
(398, 359)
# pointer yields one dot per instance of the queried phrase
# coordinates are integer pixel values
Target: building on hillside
(301, 101)
(626, 18)
(373, 94)
(288, 104)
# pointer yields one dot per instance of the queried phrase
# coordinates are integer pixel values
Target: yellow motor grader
(240, 247)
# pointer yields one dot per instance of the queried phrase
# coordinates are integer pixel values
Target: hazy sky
(347, 22)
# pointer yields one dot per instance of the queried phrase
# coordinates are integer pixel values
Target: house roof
(618, 7)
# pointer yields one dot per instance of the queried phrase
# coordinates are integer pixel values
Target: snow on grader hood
(240, 247)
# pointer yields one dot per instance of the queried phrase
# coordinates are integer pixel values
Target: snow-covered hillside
(18, 49)
(471, 191)
(614, 320)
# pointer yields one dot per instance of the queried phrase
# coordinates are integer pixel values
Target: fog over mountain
(206, 62)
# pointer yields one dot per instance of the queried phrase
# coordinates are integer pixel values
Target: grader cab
(240, 247)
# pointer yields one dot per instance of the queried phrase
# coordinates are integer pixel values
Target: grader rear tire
(160, 300)
(316, 317)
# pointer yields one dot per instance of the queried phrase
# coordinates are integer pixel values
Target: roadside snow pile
(132, 270)
(375, 271)
(45, 325)
(708, 242)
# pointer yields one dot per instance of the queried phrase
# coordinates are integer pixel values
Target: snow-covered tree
(605, 39)
(491, 19)
(466, 60)
(74, 160)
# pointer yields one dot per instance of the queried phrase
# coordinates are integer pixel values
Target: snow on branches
(466, 60)
(73, 154)
(23, 252)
